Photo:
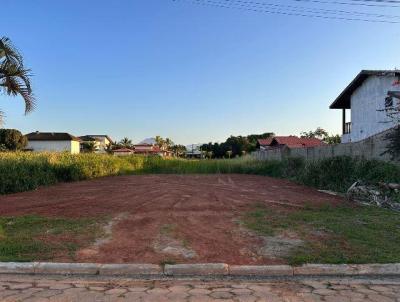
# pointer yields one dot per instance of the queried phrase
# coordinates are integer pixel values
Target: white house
(193, 151)
(101, 142)
(53, 142)
(366, 97)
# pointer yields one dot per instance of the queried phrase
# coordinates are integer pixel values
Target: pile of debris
(385, 195)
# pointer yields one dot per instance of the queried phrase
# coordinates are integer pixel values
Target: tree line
(234, 146)
(164, 144)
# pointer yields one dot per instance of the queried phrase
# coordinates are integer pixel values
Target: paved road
(44, 288)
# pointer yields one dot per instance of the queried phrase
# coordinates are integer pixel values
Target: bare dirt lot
(168, 218)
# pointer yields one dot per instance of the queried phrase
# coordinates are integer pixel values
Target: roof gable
(343, 100)
(265, 141)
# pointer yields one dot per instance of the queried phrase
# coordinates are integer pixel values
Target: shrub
(12, 139)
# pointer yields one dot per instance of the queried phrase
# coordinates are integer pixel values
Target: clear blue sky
(140, 68)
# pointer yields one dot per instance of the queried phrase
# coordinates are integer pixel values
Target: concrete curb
(203, 269)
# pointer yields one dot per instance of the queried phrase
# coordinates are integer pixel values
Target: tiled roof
(51, 136)
(265, 141)
(311, 142)
(292, 141)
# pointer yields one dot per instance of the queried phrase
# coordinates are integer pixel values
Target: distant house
(123, 152)
(53, 142)
(289, 142)
(101, 142)
(263, 143)
(146, 149)
(366, 97)
(151, 149)
(193, 151)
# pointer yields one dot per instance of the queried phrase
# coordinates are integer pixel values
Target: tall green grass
(27, 171)
(337, 173)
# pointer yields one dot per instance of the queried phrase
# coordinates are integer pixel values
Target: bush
(20, 171)
(12, 139)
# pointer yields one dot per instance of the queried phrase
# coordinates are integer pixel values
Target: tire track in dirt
(203, 208)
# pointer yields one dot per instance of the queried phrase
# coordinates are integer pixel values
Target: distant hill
(149, 141)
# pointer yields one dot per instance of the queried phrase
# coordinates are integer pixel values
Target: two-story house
(366, 98)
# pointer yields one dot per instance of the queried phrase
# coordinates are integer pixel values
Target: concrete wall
(370, 148)
(75, 147)
(54, 146)
(366, 101)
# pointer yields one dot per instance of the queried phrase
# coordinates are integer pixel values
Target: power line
(378, 1)
(307, 9)
(348, 3)
(287, 12)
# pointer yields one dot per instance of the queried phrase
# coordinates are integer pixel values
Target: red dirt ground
(203, 210)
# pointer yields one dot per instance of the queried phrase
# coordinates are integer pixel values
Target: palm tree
(179, 150)
(159, 141)
(14, 77)
(126, 142)
(168, 143)
(88, 147)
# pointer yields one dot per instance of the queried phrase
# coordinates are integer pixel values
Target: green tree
(333, 139)
(159, 141)
(238, 145)
(318, 133)
(12, 139)
(322, 135)
(14, 77)
(179, 150)
(168, 143)
(125, 143)
(88, 147)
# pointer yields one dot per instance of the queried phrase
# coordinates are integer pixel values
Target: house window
(388, 102)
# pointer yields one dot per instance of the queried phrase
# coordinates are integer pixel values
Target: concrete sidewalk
(330, 289)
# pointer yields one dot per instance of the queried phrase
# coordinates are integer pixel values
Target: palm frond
(17, 84)
(14, 78)
(9, 52)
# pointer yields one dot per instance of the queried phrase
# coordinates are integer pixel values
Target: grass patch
(334, 235)
(168, 229)
(32, 238)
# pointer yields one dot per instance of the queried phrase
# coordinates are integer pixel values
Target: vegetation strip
(21, 171)
(200, 269)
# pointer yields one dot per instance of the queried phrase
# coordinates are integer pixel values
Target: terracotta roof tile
(265, 141)
(297, 142)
